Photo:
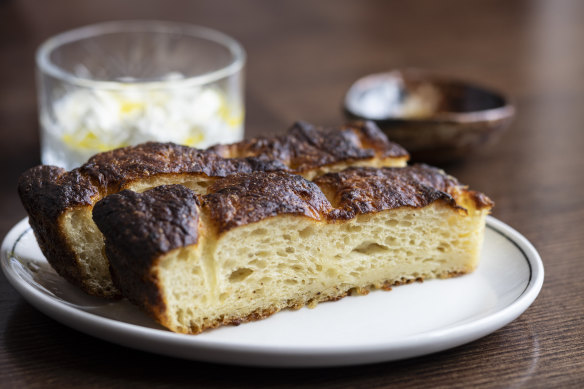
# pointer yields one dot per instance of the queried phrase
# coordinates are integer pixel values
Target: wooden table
(303, 55)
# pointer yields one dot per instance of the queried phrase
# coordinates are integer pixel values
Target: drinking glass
(122, 83)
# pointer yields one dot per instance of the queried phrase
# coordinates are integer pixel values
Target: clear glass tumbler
(122, 83)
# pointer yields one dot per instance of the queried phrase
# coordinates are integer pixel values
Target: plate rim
(217, 350)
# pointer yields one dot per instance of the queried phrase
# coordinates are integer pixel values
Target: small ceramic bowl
(436, 118)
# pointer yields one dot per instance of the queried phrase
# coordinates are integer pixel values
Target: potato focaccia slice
(260, 242)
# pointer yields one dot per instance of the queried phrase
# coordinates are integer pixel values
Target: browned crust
(151, 223)
(114, 170)
(356, 191)
(480, 200)
(306, 147)
(242, 199)
(138, 229)
(43, 191)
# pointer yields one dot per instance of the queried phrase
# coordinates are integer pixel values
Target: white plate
(411, 320)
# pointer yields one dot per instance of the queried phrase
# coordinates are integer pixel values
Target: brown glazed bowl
(436, 118)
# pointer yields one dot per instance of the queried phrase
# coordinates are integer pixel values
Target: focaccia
(255, 243)
(60, 203)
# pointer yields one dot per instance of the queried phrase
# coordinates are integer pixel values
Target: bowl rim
(46, 66)
(506, 110)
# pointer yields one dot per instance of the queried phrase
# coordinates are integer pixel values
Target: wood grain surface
(303, 55)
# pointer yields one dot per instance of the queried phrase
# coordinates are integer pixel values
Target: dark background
(302, 57)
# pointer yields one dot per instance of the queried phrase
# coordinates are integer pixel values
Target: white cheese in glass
(88, 121)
